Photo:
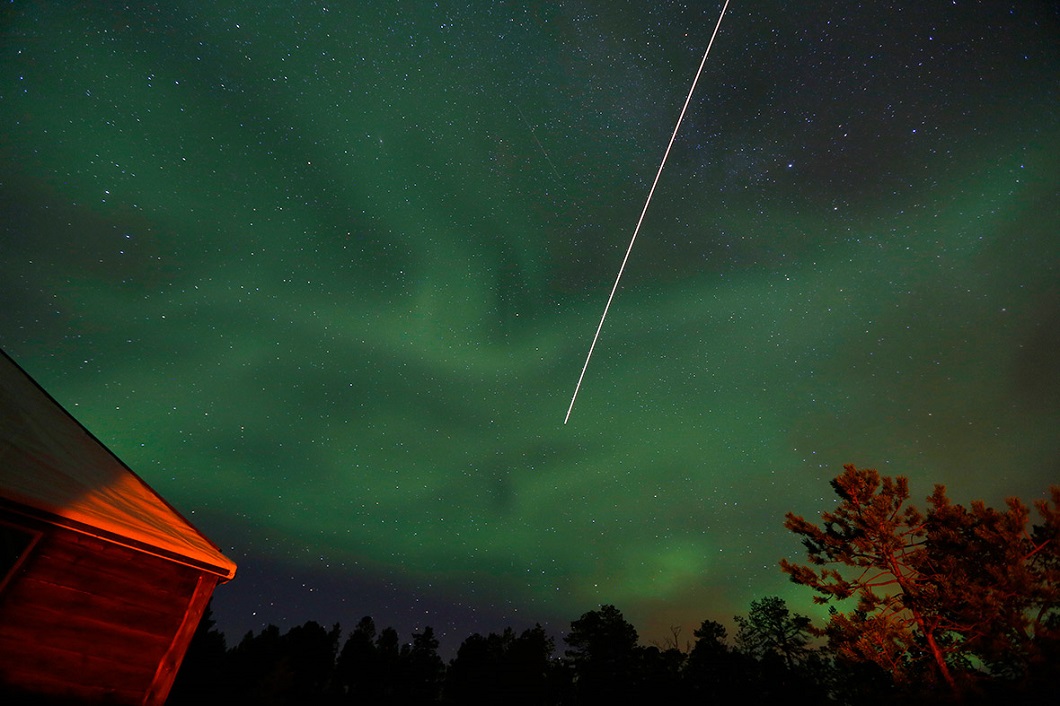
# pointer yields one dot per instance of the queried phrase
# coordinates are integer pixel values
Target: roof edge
(225, 573)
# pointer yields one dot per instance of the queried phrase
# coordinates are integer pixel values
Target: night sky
(325, 275)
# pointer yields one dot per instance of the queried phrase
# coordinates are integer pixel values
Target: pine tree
(602, 649)
(770, 628)
(948, 596)
(357, 669)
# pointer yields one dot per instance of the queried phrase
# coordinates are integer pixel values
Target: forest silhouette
(943, 605)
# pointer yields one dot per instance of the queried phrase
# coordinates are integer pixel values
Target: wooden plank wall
(90, 620)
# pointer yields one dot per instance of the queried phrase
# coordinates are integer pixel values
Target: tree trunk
(929, 634)
(940, 661)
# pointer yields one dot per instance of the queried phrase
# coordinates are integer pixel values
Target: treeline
(773, 658)
(602, 662)
(946, 605)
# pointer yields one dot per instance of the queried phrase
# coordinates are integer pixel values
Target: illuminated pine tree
(945, 596)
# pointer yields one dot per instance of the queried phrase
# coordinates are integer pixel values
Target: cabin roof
(53, 468)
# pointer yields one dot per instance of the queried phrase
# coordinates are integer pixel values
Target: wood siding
(95, 621)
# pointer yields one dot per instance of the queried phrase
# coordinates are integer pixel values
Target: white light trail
(644, 210)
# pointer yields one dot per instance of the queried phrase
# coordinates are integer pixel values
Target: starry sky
(325, 275)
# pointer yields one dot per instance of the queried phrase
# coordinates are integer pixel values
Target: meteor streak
(644, 210)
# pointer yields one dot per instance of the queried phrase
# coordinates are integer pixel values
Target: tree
(256, 670)
(475, 675)
(774, 645)
(293, 668)
(657, 675)
(601, 636)
(714, 672)
(771, 629)
(357, 670)
(388, 665)
(421, 669)
(603, 653)
(502, 668)
(309, 652)
(938, 594)
(1009, 619)
(529, 666)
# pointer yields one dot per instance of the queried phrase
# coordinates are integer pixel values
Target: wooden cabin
(102, 582)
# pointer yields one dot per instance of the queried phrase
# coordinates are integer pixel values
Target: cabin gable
(102, 582)
(90, 620)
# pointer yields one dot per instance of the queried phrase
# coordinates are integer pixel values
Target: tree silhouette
(477, 675)
(950, 596)
(774, 643)
(531, 670)
(421, 669)
(501, 669)
(309, 652)
(271, 668)
(657, 675)
(771, 629)
(388, 665)
(715, 672)
(603, 653)
(357, 666)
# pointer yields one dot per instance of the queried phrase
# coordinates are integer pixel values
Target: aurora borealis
(325, 274)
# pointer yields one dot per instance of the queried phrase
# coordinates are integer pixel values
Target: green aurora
(325, 278)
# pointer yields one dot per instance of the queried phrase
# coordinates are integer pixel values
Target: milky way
(324, 276)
